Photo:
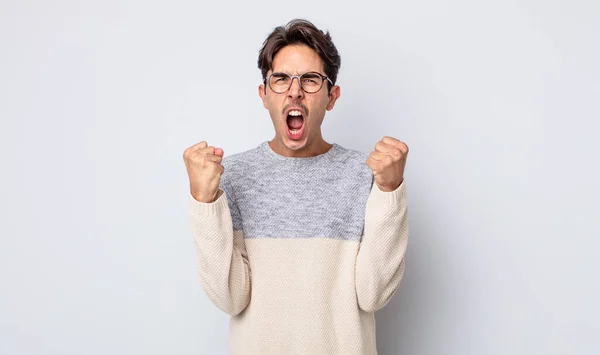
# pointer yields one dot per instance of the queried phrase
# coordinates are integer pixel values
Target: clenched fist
(203, 164)
(387, 162)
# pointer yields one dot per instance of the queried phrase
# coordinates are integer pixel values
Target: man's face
(297, 60)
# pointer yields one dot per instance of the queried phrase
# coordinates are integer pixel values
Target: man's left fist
(387, 162)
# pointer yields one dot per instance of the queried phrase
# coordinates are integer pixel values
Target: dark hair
(299, 31)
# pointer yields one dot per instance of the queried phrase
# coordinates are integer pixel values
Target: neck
(310, 149)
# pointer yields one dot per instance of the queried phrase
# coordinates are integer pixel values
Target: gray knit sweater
(301, 251)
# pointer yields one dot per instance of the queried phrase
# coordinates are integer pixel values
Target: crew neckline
(266, 148)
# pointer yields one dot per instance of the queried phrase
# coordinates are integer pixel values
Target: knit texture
(300, 251)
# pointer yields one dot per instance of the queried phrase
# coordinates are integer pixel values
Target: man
(298, 239)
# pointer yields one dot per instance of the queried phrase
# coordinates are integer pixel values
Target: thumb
(219, 152)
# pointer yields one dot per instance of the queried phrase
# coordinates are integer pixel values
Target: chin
(294, 144)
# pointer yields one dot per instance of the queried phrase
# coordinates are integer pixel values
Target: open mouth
(295, 124)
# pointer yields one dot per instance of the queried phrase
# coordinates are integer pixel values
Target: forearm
(222, 261)
(380, 261)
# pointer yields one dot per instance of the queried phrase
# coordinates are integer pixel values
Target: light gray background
(497, 100)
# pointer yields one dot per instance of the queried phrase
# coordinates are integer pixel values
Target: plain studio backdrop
(497, 100)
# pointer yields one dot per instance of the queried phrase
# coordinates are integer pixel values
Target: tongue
(295, 122)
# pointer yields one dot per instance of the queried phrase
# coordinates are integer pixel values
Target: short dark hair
(299, 31)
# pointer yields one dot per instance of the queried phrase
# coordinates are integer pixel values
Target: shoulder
(351, 156)
(354, 160)
(237, 163)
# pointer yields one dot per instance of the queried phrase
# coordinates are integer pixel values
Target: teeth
(295, 113)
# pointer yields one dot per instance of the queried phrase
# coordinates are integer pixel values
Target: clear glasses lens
(281, 82)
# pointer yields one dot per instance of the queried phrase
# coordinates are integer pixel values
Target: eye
(279, 78)
(311, 79)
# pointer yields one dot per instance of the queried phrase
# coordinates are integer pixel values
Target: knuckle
(209, 150)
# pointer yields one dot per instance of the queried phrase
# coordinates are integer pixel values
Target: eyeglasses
(310, 82)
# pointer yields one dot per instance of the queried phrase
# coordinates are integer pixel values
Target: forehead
(297, 59)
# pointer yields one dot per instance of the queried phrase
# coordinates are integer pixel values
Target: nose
(295, 91)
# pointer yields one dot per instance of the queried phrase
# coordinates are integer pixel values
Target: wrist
(204, 198)
(389, 188)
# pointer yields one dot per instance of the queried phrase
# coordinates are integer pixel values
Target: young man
(298, 239)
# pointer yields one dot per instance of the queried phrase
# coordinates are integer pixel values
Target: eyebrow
(283, 72)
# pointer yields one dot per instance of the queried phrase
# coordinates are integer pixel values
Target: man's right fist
(203, 164)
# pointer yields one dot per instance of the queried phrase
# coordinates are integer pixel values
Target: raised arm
(222, 260)
(380, 261)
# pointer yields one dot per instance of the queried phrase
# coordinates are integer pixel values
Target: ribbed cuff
(203, 208)
(388, 197)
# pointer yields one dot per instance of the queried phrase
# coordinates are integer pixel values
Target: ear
(262, 94)
(333, 96)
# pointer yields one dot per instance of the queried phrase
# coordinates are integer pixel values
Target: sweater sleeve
(222, 260)
(380, 260)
